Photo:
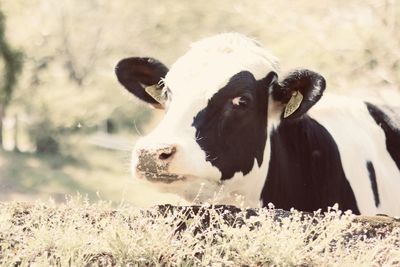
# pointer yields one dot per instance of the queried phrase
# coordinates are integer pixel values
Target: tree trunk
(16, 132)
(2, 115)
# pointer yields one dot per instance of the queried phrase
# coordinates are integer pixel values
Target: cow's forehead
(210, 63)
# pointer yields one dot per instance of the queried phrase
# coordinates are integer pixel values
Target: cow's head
(221, 100)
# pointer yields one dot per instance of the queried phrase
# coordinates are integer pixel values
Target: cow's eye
(240, 101)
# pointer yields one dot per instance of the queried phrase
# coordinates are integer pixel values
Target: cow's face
(221, 99)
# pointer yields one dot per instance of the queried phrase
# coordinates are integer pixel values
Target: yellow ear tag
(155, 92)
(293, 104)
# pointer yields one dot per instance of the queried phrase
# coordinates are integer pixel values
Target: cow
(235, 126)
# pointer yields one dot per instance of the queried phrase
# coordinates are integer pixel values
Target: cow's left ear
(141, 77)
(299, 91)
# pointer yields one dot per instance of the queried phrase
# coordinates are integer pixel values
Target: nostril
(167, 154)
(164, 156)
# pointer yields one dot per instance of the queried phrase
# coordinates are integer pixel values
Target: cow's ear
(299, 91)
(141, 77)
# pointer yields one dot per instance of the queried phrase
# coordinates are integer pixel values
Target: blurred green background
(66, 124)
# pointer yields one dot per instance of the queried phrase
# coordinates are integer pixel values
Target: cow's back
(368, 140)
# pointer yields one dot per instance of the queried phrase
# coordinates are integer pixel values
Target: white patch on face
(211, 62)
(346, 117)
(192, 81)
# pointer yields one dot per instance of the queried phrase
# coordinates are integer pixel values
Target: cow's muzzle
(153, 164)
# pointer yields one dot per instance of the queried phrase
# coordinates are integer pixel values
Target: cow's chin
(166, 178)
(190, 187)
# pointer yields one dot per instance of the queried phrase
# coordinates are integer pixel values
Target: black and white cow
(232, 127)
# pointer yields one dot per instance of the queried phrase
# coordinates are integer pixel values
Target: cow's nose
(166, 152)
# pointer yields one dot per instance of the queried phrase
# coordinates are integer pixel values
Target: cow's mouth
(166, 178)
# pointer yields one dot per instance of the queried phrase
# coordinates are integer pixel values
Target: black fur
(233, 136)
(392, 133)
(305, 170)
(374, 185)
(134, 72)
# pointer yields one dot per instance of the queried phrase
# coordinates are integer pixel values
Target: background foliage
(66, 97)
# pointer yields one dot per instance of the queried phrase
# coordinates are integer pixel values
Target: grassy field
(88, 170)
(106, 227)
(78, 233)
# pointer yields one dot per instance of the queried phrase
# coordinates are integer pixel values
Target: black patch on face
(234, 135)
(305, 170)
(391, 132)
(374, 185)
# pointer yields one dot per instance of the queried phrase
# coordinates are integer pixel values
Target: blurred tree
(12, 68)
(71, 47)
(68, 84)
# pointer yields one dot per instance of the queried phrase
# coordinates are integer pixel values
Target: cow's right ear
(141, 76)
(298, 92)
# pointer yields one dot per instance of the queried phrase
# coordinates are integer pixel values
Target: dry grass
(78, 233)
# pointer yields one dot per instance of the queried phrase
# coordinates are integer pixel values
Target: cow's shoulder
(305, 169)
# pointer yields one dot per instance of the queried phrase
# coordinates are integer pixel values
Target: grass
(78, 233)
(75, 232)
